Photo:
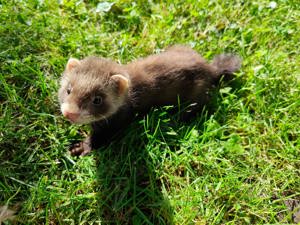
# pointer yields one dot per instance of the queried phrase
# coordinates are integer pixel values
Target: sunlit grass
(238, 164)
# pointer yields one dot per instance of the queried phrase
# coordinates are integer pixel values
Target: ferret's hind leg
(190, 111)
(199, 99)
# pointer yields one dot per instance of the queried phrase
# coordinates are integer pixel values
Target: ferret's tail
(226, 65)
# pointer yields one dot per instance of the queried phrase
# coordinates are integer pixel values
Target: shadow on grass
(130, 191)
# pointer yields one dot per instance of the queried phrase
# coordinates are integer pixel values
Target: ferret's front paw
(80, 149)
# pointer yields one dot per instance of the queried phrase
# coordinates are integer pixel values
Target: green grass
(238, 165)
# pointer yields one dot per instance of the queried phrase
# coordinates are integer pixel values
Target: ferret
(109, 95)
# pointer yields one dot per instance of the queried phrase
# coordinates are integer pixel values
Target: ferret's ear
(72, 63)
(122, 83)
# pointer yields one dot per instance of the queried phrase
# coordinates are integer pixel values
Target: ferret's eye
(97, 100)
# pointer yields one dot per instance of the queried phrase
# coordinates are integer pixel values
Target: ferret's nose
(71, 116)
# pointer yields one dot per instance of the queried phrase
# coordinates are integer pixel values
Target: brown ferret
(109, 95)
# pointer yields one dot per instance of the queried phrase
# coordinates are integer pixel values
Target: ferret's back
(173, 59)
(160, 79)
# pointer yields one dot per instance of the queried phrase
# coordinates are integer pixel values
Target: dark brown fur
(157, 80)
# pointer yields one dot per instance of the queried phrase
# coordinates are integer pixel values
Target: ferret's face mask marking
(87, 95)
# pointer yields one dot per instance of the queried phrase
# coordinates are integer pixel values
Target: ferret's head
(92, 89)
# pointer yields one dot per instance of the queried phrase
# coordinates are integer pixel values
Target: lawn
(237, 162)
